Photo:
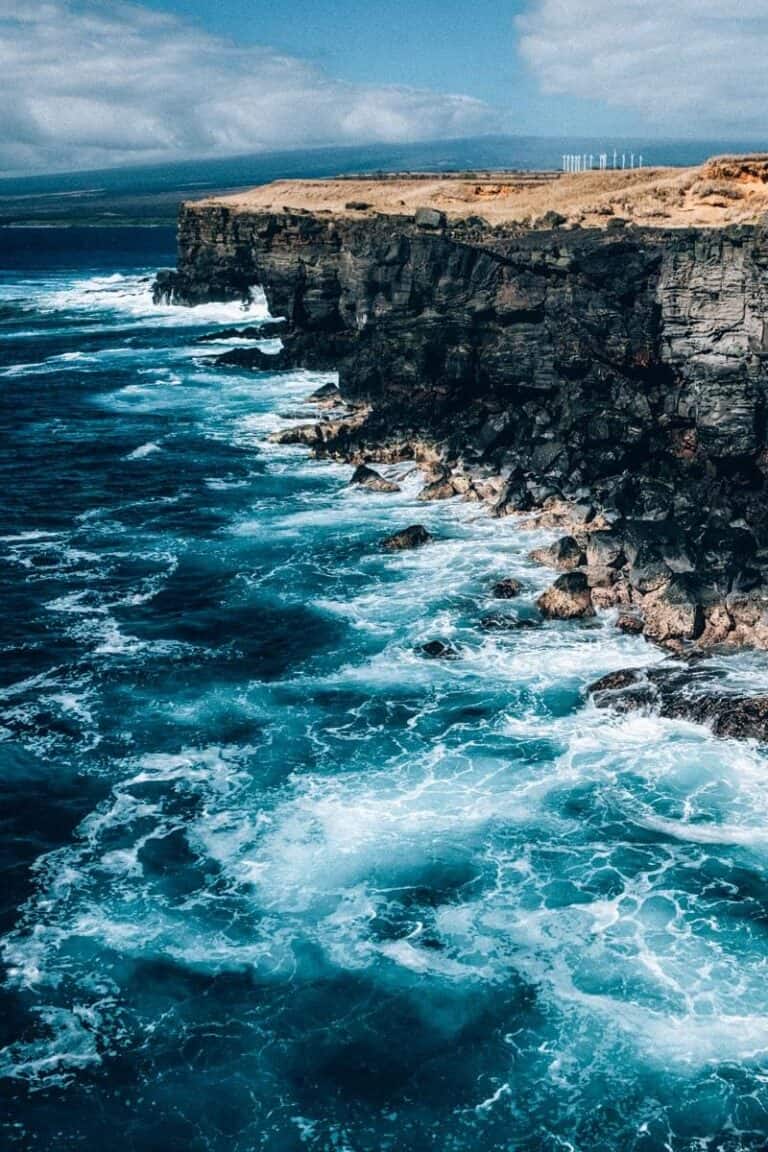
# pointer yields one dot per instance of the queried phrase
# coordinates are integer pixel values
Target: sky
(96, 83)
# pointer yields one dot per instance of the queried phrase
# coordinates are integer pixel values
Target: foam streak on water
(276, 879)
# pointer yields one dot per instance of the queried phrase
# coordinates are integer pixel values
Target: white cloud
(689, 67)
(89, 84)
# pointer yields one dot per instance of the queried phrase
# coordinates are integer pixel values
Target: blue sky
(469, 46)
(96, 83)
(441, 44)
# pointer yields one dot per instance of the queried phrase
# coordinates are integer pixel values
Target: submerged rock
(365, 477)
(569, 598)
(689, 694)
(439, 650)
(412, 537)
(263, 331)
(506, 589)
(500, 623)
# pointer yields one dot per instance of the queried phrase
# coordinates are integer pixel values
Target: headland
(586, 351)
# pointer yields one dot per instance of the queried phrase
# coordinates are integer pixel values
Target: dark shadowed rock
(569, 598)
(630, 623)
(366, 477)
(499, 623)
(692, 694)
(565, 554)
(438, 490)
(430, 218)
(439, 650)
(605, 550)
(616, 681)
(551, 219)
(326, 395)
(412, 537)
(250, 332)
(255, 360)
(506, 589)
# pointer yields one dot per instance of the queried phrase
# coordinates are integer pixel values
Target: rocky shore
(611, 383)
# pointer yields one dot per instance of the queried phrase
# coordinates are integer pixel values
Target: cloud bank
(88, 84)
(688, 67)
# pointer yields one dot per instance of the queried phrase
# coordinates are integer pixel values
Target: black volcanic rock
(624, 372)
(254, 360)
(412, 537)
(439, 650)
(690, 694)
(506, 589)
(495, 622)
(564, 555)
(325, 394)
(569, 598)
(366, 477)
(251, 332)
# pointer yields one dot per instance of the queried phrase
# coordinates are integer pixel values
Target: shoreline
(686, 684)
(609, 380)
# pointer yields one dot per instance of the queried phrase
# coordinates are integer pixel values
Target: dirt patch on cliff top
(725, 190)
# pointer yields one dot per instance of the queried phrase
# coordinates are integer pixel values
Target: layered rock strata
(613, 382)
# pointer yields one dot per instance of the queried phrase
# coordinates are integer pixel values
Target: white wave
(144, 450)
(131, 296)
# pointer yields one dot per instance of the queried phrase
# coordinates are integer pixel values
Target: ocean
(272, 878)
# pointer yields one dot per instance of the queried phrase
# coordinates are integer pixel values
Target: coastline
(610, 380)
(271, 774)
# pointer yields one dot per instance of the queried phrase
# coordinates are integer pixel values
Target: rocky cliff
(611, 380)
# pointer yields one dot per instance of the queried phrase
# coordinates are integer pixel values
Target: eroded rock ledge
(612, 382)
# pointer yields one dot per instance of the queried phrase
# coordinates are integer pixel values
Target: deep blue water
(272, 879)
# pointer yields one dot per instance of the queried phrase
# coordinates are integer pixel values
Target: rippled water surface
(274, 880)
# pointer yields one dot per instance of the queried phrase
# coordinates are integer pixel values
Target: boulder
(551, 219)
(506, 589)
(430, 218)
(564, 555)
(605, 550)
(630, 623)
(327, 395)
(365, 477)
(749, 613)
(439, 650)
(412, 537)
(673, 614)
(569, 598)
(438, 490)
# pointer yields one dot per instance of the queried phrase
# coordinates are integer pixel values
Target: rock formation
(612, 382)
(684, 694)
(407, 539)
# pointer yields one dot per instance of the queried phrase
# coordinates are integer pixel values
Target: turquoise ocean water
(274, 880)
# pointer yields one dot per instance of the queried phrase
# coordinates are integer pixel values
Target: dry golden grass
(725, 190)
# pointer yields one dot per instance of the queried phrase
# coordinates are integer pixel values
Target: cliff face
(623, 370)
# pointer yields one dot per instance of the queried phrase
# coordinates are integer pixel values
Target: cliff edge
(608, 380)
